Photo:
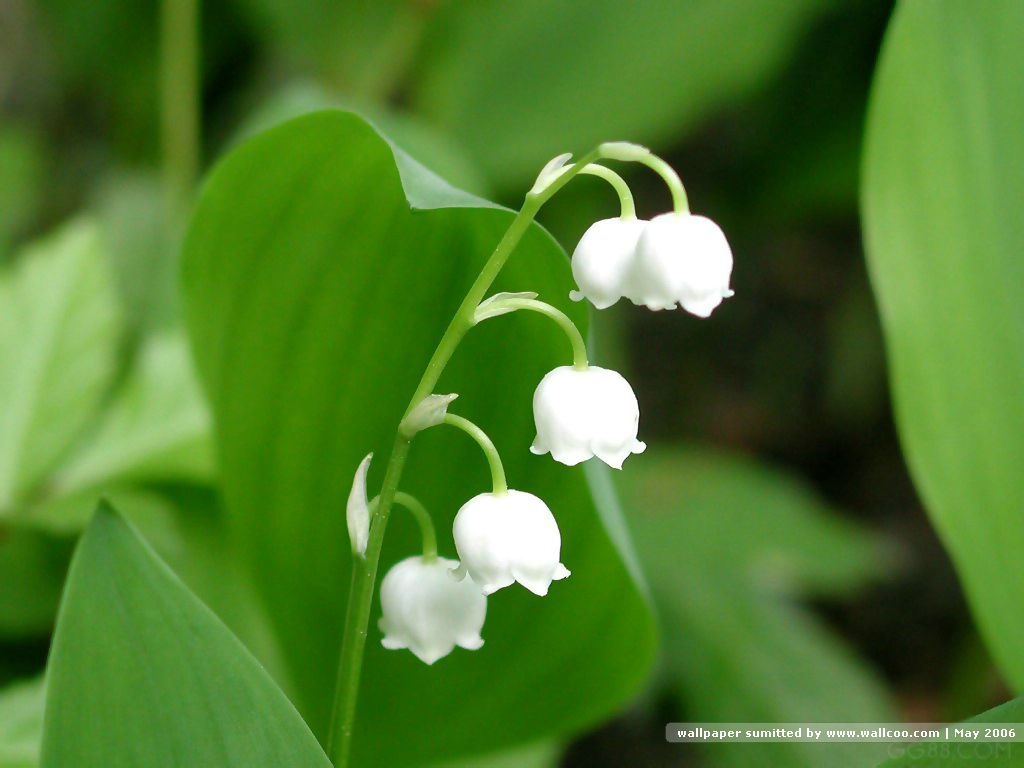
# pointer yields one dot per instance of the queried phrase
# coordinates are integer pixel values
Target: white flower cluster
(675, 259)
(580, 411)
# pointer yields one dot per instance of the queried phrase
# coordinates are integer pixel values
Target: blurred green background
(795, 574)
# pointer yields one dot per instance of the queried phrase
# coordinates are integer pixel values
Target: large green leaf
(320, 271)
(21, 723)
(562, 76)
(142, 673)
(942, 197)
(728, 545)
(58, 331)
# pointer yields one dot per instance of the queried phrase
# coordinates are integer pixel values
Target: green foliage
(728, 546)
(561, 77)
(156, 427)
(1003, 754)
(21, 169)
(58, 334)
(942, 193)
(21, 723)
(32, 566)
(320, 271)
(141, 670)
(132, 211)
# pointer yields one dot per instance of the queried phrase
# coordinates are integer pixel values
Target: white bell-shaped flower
(427, 612)
(603, 260)
(585, 413)
(505, 538)
(684, 259)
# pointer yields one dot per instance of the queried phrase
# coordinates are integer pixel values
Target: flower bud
(603, 259)
(585, 413)
(681, 258)
(505, 538)
(427, 612)
(357, 511)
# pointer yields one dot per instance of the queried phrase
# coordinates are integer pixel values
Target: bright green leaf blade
(58, 340)
(562, 77)
(21, 723)
(142, 672)
(724, 543)
(942, 197)
(1005, 755)
(157, 428)
(315, 297)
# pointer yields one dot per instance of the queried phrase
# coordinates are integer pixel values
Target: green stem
(579, 346)
(364, 573)
(357, 616)
(423, 519)
(620, 185)
(680, 204)
(500, 486)
(179, 95)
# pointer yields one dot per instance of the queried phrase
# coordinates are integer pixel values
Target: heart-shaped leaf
(321, 269)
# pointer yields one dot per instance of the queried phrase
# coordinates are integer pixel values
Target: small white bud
(581, 414)
(357, 511)
(505, 538)
(603, 260)
(427, 612)
(684, 259)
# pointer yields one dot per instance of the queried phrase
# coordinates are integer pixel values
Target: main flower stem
(179, 109)
(364, 570)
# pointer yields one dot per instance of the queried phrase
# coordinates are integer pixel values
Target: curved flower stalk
(581, 411)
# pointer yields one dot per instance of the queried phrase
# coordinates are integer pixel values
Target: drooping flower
(681, 259)
(584, 413)
(508, 537)
(427, 612)
(603, 260)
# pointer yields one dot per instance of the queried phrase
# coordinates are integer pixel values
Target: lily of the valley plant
(431, 604)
